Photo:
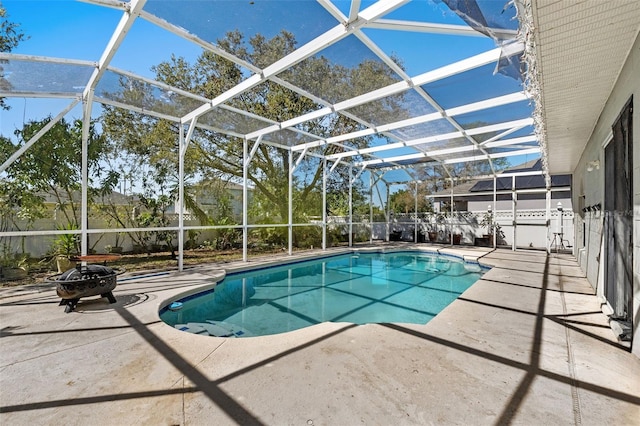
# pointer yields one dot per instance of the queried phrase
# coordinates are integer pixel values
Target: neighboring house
(58, 214)
(477, 194)
(219, 199)
(473, 199)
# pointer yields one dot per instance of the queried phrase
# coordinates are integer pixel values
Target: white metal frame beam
(450, 160)
(330, 37)
(114, 4)
(47, 59)
(461, 66)
(427, 140)
(529, 151)
(129, 16)
(180, 32)
(37, 136)
(447, 115)
(430, 139)
(348, 25)
(433, 28)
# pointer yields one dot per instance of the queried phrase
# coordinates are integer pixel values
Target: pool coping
(524, 345)
(218, 275)
(176, 302)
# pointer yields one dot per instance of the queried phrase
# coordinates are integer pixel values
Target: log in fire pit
(85, 281)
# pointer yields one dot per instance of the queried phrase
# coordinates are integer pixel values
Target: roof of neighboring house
(119, 198)
(115, 197)
(229, 185)
(504, 183)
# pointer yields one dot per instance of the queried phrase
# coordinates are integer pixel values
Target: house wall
(590, 186)
(525, 202)
(531, 232)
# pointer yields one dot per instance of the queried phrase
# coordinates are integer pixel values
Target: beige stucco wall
(590, 184)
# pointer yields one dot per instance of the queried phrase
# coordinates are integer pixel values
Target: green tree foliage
(153, 142)
(435, 177)
(10, 37)
(20, 207)
(404, 201)
(10, 34)
(53, 165)
(338, 202)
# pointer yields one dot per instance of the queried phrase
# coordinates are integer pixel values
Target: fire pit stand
(85, 281)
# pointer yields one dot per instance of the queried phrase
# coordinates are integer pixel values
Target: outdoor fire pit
(85, 281)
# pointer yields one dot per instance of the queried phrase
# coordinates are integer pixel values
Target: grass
(42, 269)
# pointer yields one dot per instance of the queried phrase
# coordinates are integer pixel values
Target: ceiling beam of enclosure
(132, 11)
(510, 125)
(480, 143)
(421, 155)
(372, 12)
(476, 61)
(330, 37)
(321, 42)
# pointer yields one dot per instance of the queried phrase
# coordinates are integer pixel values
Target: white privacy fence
(529, 229)
(468, 228)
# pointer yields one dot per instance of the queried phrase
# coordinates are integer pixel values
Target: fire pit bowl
(85, 281)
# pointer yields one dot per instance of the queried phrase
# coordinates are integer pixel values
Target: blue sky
(77, 30)
(70, 29)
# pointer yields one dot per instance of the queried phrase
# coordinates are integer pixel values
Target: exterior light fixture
(593, 165)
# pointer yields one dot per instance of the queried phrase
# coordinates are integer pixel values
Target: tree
(53, 166)
(437, 177)
(10, 37)
(20, 207)
(212, 154)
(404, 201)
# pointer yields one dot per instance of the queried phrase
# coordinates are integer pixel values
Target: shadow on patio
(526, 344)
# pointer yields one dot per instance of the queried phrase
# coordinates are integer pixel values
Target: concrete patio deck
(527, 344)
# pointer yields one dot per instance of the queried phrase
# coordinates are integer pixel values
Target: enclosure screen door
(618, 226)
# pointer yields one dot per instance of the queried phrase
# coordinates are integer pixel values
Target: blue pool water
(404, 287)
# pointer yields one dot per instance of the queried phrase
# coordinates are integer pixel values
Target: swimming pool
(361, 288)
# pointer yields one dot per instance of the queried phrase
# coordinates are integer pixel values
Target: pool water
(401, 287)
